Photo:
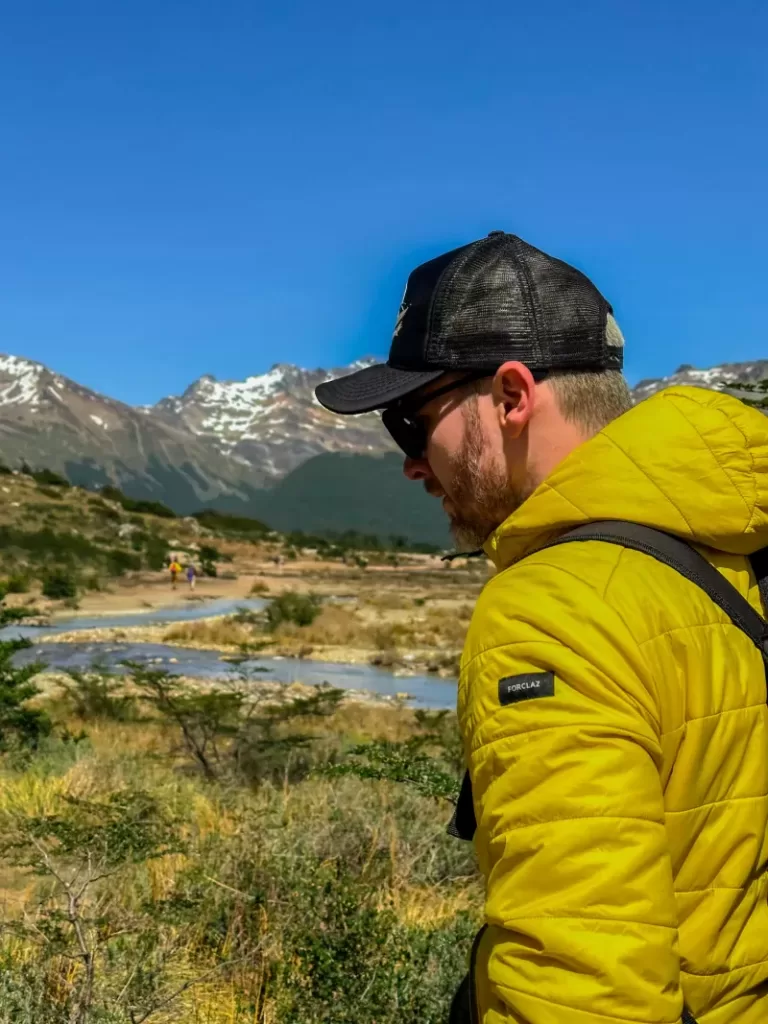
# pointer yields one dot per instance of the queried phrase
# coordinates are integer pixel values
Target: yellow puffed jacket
(622, 820)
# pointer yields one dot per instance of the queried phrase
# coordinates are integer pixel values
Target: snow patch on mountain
(22, 381)
(272, 419)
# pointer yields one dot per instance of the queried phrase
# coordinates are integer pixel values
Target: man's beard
(480, 494)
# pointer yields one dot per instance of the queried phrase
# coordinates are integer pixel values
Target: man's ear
(514, 394)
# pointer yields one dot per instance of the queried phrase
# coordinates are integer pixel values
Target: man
(621, 803)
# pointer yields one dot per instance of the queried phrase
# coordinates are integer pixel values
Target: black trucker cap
(476, 307)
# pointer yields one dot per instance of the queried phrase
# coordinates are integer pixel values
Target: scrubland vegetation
(175, 854)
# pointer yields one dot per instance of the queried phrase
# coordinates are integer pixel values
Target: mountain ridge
(221, 443)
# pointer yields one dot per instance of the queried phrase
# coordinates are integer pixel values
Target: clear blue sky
(193, 187)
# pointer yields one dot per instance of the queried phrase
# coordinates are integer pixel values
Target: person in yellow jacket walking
(613, 716)
(174, 569)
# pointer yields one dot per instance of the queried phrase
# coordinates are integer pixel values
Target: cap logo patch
(399, 323)
(404, 307)
(527, 686)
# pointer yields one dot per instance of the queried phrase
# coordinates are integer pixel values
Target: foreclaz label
(526, 686)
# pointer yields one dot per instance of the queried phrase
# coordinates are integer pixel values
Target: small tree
(430, 762)
(20, 724)
(98, 694)
(206, 720)
(232, 731)
(77, 851)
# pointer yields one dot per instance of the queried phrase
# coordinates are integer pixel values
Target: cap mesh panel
(501, 299)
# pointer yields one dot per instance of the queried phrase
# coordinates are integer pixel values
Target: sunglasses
(406, 429)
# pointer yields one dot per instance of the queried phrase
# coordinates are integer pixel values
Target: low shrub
(235, 526)
(95, 695)
(334, 625)
(17, 583)
(140, 505)
(209, 553)
(300, 609)
(104, 511)
(155, 552)
(46, 477)
(59, 584)
(119, 562)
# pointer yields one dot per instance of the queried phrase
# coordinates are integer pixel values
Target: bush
(300, 609)
(234, 526)
(45, 477)
(59, 584)
(105, 511)
(120, 562)
(17, 583)
(47, 545)
(155, 552)
(95, 695)
(152, 508)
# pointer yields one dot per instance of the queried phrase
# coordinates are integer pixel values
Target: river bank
(402, 663)
(397, 637)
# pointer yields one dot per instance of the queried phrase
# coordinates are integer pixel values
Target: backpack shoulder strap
(760, 568)
(679, 555)
(463, 824)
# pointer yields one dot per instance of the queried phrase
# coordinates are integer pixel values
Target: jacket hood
(689, 461)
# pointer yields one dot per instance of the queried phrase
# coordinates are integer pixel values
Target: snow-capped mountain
(220, 442)
(48, 420)
(271, 422)
(733, 373)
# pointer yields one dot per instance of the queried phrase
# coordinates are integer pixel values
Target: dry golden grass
(422, 628)
(335, 625)
(393, 842)
(384, 626)
(223, 632)
(428, 906)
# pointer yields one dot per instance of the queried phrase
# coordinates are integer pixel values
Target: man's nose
(416, 469)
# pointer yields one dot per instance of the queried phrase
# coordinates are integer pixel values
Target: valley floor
(410, 618)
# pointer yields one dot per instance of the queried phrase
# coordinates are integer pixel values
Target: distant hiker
(612, 692)
(191, 576)
(174, 569)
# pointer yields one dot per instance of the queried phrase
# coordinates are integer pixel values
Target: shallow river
(426, 691)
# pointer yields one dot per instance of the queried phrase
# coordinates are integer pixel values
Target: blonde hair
(593, 398)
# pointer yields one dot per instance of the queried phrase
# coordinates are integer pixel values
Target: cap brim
(374, 387)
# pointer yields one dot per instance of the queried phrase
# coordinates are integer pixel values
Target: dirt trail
(146, 594)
